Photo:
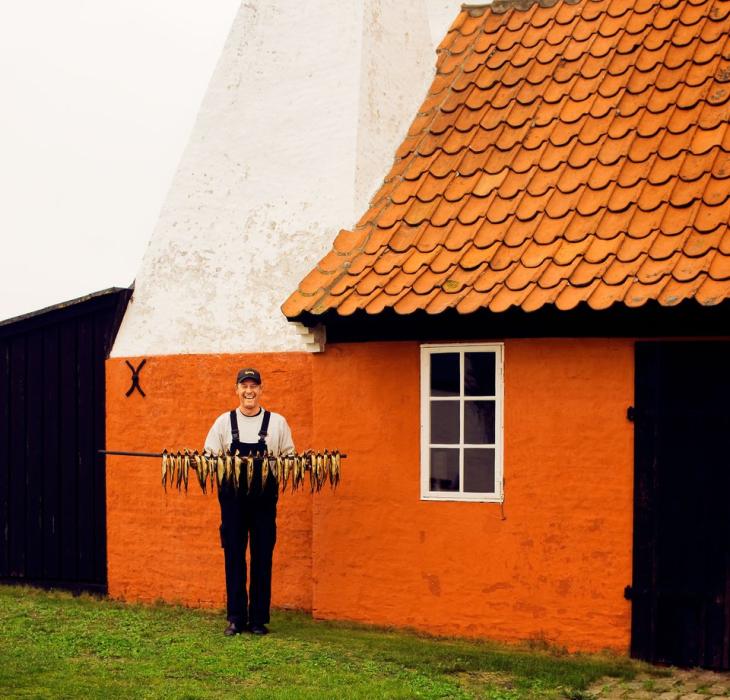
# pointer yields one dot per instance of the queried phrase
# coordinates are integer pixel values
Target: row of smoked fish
(225, 468)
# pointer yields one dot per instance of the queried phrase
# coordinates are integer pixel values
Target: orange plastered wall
(167, 546)
(551, 563)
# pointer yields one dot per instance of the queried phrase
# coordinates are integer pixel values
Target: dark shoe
(232, 629)
(258, 629)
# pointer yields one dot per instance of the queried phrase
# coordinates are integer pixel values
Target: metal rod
(146, 454)
(131, 454)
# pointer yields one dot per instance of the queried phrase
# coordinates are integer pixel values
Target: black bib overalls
(248, 517)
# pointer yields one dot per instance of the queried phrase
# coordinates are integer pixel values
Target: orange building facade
(550, 562)
(564, 186)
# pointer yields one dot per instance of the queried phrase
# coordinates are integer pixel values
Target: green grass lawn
(54, 645)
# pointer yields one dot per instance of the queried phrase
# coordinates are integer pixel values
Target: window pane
(444, 469)
(479, 373)
(444, 422)
(445, 374)
(479, 471)
(479, 421)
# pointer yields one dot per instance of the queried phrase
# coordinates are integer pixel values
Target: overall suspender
(264, 427)
(234, 426)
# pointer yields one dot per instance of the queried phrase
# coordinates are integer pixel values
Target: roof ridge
(501, 6)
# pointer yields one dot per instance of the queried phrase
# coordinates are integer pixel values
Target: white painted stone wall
(304, 111)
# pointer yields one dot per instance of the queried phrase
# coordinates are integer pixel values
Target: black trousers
(247, 518)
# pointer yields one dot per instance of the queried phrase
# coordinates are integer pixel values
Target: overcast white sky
(97, 100)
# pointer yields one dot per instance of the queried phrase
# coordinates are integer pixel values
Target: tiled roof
(567, 152)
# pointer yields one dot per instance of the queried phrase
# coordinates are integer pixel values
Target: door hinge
(628, 593)
(631, 413)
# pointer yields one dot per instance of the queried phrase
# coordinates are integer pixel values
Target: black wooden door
(681, 579)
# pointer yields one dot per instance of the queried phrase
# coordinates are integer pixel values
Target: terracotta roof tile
(568, 152)
(458, 234)
(711, 292)
(657, 245)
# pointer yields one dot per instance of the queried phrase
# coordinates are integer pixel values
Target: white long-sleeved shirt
(278, 439)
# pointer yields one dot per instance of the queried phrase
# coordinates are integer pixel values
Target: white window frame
(426, 352)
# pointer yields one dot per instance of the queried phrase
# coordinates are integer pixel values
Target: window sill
(463, 498)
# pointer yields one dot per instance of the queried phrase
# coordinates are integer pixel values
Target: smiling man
(249, 516)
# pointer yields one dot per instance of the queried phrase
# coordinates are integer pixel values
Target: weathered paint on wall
(297, 129)
(441, 14)
(397, 55)
(551, 563)
(167, 546)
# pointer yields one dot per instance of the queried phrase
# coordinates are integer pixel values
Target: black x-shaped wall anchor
(135, 378)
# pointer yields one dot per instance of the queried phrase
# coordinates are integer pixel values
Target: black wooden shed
(52, 424)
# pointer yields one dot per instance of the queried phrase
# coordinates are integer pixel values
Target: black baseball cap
(248, 373)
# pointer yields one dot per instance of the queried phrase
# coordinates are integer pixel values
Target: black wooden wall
(52, 424)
